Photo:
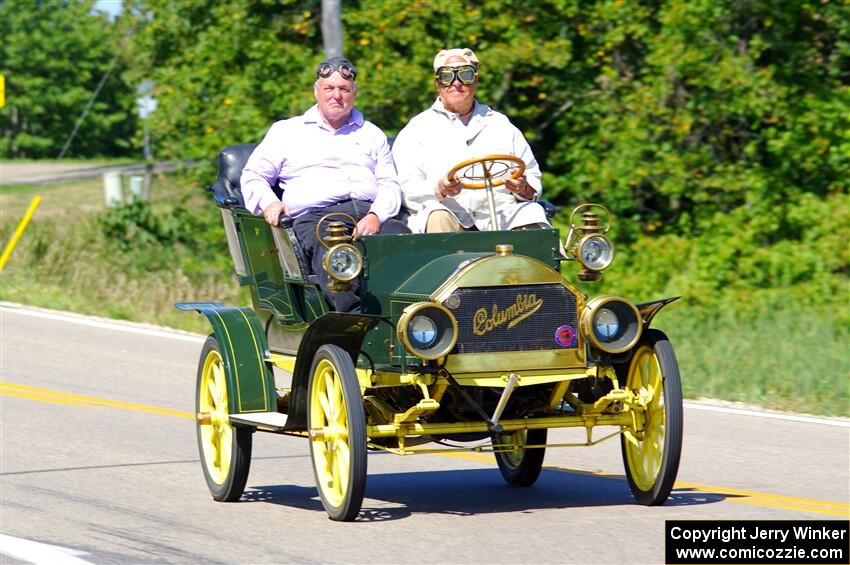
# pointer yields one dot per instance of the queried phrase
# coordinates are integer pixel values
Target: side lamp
(587, 242)
(343, 261)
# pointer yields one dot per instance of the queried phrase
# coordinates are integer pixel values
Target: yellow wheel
(337, 433)
(521, 468)
(652, 457)
(225, 450)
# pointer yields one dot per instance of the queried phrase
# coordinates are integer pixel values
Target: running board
(273, 421)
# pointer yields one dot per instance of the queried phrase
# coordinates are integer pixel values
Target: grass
(66, 261)
(794, 359)
(772, 351)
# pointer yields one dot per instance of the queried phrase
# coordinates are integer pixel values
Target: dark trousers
(305, 230)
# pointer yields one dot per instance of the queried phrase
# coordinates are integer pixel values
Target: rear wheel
(225, 450)
(337, 433)
(652, 460)
(520, 468)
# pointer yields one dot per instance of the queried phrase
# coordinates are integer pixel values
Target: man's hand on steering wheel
(520, 187)
(448, 187)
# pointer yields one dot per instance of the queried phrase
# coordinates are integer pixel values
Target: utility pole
(332, 27)
(146, 104)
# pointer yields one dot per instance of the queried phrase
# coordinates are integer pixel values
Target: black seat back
(231, 161)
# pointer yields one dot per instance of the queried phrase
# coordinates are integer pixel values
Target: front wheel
(337, 433)
(520, 468)
(652, 459)
(225, 450)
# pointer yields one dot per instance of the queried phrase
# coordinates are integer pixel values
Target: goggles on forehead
(346, 71)
(464, 73)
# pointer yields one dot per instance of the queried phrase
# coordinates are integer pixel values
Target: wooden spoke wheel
(652, 458)
(474, 173)
(521, 468)
(225, 450)
(337, 433)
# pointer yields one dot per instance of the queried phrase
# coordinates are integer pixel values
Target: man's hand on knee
(369, 225)
(273, 212)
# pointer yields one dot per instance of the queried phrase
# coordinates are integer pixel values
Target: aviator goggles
(464, 73)
(346, 70)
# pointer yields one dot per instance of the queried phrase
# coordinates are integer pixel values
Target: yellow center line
(59, 397)
(767, 500)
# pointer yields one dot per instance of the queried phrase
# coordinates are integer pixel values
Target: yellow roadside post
(19, 231)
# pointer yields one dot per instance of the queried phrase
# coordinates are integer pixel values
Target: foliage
(53, 55)
(135, 225)
(149, 238)
(716, 131)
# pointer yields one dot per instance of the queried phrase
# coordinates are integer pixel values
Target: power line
(89, 105)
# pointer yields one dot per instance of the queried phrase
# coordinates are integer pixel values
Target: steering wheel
(475, 173)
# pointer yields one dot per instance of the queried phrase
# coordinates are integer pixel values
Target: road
(46, 172)
(98, 456)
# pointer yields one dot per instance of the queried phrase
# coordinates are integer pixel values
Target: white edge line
(113, 325)
(39, 553)
(838, 422)
(195, 338)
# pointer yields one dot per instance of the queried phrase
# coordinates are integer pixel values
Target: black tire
(521, 468)
(651, 471)
(339, 463)
(225, 450)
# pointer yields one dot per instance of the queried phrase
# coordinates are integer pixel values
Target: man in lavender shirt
(327, 160)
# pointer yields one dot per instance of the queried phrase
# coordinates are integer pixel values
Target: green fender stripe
(244, 349)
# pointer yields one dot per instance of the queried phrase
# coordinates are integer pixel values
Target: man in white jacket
(454, 129)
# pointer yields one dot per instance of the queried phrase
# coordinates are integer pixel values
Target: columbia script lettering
(526, 304)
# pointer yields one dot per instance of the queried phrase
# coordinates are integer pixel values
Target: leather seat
(227, 192)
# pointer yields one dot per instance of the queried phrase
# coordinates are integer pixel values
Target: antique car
(471, 340)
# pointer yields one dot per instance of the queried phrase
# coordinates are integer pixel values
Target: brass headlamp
(587, 243)
(343, 261)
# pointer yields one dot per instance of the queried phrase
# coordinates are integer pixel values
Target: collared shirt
(317, 166)
(436, 140)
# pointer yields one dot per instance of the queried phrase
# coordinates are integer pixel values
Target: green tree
(716, 131)
(54, 54)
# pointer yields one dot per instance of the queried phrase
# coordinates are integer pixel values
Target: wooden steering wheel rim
(476, 184)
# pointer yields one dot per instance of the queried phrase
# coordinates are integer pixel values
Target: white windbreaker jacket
(436, 140)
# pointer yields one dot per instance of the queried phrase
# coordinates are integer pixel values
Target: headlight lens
(596, 252)
(606, 324)
(427, 330)
(343, 262)
(611, 324)
(423, 331)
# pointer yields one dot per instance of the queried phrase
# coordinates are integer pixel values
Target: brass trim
(586, 322)
(541, 359)
(566, 421)
(502, 270)
(408, 314)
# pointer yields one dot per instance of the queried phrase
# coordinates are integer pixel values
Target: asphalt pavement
(99, 464)
(51, 171)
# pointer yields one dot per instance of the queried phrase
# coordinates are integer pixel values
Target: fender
(244, 350)
(340, 328)
(648, 310)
